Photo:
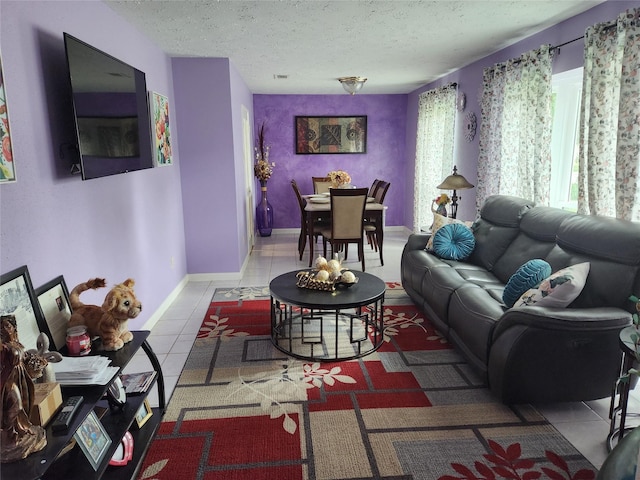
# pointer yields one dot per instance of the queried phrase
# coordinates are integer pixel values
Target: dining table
(318, 208)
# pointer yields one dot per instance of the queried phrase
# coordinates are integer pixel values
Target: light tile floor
(585, 424)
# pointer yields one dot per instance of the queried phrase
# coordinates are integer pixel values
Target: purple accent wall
(385, 157)
(115, 227)
(469, 81)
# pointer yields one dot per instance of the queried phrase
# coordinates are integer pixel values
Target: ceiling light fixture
(352, 84)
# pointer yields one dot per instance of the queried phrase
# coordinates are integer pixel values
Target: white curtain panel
(434, 149)
(515, 130)
(610, 119)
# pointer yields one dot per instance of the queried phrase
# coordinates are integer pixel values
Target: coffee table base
(327, 334)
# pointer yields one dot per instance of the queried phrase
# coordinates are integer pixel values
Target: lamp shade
(352, 84)
(455, 181)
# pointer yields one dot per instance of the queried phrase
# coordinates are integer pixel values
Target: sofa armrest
(540, 354)
(576, 319)
(417, 241)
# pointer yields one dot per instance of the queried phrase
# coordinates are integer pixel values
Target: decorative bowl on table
(326, 276)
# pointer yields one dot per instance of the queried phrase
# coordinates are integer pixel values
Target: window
(565, 105)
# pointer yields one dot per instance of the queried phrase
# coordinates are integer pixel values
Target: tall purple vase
(264, 212)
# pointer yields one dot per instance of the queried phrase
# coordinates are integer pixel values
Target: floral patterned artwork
(162, 134)
(7, 168)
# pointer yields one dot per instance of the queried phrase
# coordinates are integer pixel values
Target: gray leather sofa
(532, 353)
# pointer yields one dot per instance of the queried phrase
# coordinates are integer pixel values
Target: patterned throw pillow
(559, 290)
(527, 276)
(440, 221)
(454, 242)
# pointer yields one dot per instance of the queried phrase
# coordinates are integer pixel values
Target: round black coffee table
(321, 326)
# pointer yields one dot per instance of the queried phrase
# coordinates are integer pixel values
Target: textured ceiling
(399, 45)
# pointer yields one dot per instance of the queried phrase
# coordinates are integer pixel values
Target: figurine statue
(18, 436)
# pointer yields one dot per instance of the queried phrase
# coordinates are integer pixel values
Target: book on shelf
(137, 382)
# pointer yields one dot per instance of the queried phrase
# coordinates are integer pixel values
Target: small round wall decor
(470, 126)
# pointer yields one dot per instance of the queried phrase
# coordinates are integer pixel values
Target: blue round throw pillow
(454, 241)
(527, 276)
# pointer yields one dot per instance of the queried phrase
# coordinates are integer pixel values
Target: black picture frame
(330, 135)
(53, 299)
(18, 298)
(93, 440)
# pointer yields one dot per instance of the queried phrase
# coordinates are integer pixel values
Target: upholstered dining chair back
(347, 220)
(347, 212)
(321, 184)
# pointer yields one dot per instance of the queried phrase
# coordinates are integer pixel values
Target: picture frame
(7, 163)
(144, 413)
(93, 440)
(53, 298)
(161, 131)
(18, 298)
(331, 135)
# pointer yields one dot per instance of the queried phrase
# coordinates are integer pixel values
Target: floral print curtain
(515, 130)
(610, 118)
(434, 149)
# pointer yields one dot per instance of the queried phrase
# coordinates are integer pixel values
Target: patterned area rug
(242, 410)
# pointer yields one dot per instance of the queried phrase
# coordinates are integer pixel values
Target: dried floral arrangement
(339, 177)
(443, 199)
(262, 169)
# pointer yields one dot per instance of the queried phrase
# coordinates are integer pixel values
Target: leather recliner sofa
(532, 353)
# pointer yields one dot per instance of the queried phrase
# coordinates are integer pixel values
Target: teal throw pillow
(527, 276)
(454, 241)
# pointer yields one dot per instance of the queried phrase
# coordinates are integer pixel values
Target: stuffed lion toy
(109, 322)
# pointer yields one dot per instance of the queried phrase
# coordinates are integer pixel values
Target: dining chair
(371, 229)
(321, 184)
(347, 221)
(304, 221)
(374, 187)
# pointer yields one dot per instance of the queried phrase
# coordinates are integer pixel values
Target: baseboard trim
(150, 323)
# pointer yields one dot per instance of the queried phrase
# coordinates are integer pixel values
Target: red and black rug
(242, 410)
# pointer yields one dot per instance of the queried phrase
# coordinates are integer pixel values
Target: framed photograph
(53, 298)
(7, 167)
(144, 413)
(93, 440)
(115, 137)
(161, 132)
(317, 135)
(18, 298)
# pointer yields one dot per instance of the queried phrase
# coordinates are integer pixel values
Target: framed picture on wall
(17, 298)
(7, 166)
(322, 135)
(161, 131)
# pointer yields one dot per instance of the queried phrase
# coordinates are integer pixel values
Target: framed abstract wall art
(161, 133)
(322, 135)
(7, 167)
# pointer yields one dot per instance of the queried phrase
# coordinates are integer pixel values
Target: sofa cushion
(559, 290)
(439, 221)
(528, 276)
(454, 242)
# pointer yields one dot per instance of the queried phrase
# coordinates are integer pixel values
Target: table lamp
(454, 182)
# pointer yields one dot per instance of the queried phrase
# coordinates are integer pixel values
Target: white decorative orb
(322, 275)
(321, 262)
(348, 277)
(333, 276)
(334, 265)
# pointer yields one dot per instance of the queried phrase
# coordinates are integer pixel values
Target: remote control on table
(69, 409)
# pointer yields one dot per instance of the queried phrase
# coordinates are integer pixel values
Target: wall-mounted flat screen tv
(111, 110)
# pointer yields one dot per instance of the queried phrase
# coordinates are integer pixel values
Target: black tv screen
(110, 105)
